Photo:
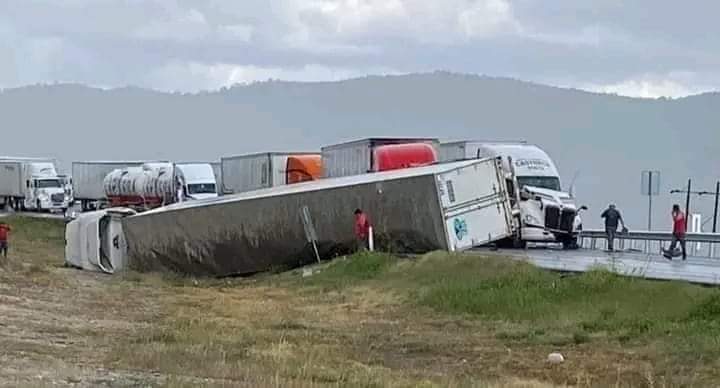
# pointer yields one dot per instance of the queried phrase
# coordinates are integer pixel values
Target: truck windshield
(201, 188)
(543, 182)
(48, 183)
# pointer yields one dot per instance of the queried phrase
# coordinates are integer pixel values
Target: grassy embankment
(375, 320)
(440, 320)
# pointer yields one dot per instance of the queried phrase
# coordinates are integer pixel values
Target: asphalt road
(700, 270)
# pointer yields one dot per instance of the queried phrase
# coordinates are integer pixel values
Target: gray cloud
(642, 47)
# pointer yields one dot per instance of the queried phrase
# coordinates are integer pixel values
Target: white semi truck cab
(542, 211)
(198, 180)
(45, 189)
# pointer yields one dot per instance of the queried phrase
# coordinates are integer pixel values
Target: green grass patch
(30, 230)
(542, 306)
(351, 270)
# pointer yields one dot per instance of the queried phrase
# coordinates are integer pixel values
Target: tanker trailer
(141, 188)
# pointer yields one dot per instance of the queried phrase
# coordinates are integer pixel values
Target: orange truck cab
(303, 168)
(399, 156)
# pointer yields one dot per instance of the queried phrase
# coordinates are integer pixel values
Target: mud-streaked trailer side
(453, 206)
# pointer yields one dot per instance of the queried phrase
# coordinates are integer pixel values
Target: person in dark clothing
(612, 217)
(679, 229)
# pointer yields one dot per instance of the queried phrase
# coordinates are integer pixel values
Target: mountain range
(601, 141)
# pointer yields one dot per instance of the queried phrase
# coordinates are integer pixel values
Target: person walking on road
(362, 229)
(612, 217)
(679, 229)
(4, 237)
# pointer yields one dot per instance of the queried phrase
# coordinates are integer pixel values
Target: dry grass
(368, 321)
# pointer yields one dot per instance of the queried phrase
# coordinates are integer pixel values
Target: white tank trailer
(88, 180)
(148, 186)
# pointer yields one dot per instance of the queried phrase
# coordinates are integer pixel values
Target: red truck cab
(399, 156)
(303, 168)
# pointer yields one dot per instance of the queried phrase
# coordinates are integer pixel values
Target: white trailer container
(217, 170)
(255, 171)
(356, 157)
(88, 178)
(11, 182)
(453, 206)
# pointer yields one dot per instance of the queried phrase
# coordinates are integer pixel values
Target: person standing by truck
(362, 230)
(679, 229)
(612, 217)
(4, 238)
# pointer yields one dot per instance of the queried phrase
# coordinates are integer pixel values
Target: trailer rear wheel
(570, 243)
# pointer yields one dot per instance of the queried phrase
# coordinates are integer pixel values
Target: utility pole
(650, 186)
(687, 203)
(688, 192)
(715, 214)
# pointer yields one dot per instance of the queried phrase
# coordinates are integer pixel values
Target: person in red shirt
(362, 229)
(4, 237)
(679, 229)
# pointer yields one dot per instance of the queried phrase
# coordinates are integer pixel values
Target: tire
(519, 243)
(570, 243)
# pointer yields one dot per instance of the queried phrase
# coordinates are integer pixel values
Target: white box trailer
(255, 171)
(217, 170)
(453, 207)
(11, 181)
(356, 157)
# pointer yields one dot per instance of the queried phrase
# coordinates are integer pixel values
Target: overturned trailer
(452, 206)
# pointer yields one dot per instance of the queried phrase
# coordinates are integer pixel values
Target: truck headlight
(531, 219)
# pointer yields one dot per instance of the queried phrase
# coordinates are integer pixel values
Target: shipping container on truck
(88, 178)
(359, 157)
(11, 182)
(453, 207)
(256, 171)
(217, 170)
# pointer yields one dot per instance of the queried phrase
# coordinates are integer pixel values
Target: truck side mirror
(524, 196)
(583, 207)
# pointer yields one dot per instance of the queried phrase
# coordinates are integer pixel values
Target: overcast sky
(635, 47)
